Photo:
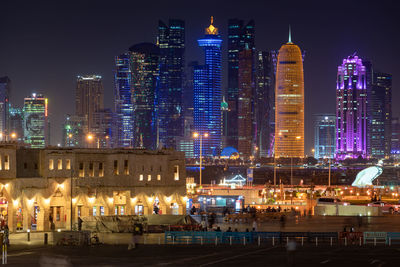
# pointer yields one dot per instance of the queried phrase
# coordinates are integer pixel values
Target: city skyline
(315, 79)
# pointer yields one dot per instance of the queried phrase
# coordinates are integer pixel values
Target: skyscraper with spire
(289, 102)
(207, 93)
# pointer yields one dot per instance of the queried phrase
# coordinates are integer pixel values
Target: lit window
(81, 170)
(94, 211)
(126, 167)
(176, 172)
(158, 177)
(1, 165)
(141, 177)
(149, 177)
(59, 164)
(68, 164)
(51, 164)
(101, 169)
(6, 162)
(116, 171)
(91, 169)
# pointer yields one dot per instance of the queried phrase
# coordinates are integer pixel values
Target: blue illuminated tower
(207, 94)
(123, 101)
(171, 42)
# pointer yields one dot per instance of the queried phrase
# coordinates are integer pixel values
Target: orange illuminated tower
(289, 102)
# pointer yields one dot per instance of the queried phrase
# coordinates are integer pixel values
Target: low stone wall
(349, 210)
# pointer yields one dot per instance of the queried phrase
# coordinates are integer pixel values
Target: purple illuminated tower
(351, 109)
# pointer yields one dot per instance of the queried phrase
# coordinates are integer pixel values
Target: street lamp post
(197, 135)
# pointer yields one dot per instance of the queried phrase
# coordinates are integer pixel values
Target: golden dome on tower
(211, 30)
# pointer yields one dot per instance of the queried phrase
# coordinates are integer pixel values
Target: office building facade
(89, 97)
(240, 36)
(5, 84)
(245, 103)
(264, 104)
(351, 109)
(324, 136)
(395, 140)
(380, 115)
(74, 131)
(36, 121)
(289, 102)
(171, 43)
(123, 101)
(144, 86)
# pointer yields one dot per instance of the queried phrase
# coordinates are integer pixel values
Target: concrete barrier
(349, 210)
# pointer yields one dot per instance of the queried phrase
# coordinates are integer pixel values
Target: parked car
(386, 207)
(330, 201)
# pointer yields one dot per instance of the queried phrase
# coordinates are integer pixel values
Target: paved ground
(152, 255)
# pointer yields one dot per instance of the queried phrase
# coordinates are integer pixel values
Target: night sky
(46, 44)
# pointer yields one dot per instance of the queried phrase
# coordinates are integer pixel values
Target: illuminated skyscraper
(395, 142)
(264, 103)
(16, 122)
(171, 41)
(74, 131)
(239, 37)
(207, 94)
(89, 97)
(380, 115)
(245, 103)
(351, 109)
(35, 121)
(289, 102)
(123, 101)
(144, 69)
(4, 107)
(325, 136)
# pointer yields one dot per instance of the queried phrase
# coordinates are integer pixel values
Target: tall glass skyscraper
(144, 85)
(324, 136)
(239, 37)
(395, 142)
(245, 103)
(380, 115)
(16, 122)
(171, 42)
(207, 94)
(35, 121)
(89, 97)
(4, 107)
(123, 101)
(351, 109)
(264, 104)
(289, 102)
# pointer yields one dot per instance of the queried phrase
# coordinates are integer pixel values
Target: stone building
(35, 184)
